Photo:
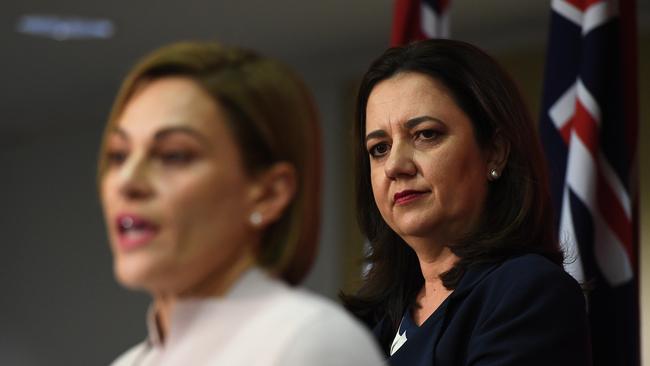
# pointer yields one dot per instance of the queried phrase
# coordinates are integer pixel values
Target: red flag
(419, 19)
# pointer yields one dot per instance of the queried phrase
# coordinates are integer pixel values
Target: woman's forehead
(171, 102)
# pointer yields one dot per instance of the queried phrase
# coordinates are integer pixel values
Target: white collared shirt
(261, 321)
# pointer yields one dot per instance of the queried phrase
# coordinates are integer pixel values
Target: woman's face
(175, 194)
(428, 174)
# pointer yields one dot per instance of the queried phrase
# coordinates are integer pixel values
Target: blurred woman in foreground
(209, 177)
(453, 197)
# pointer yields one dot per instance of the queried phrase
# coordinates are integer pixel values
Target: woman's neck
(216, 284)
(433, 263)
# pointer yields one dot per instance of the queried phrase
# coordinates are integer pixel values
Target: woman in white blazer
(209, 178)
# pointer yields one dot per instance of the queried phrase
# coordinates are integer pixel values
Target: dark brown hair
(273, 118)
(517, 216)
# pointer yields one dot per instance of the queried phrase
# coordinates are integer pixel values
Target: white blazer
(260, 322)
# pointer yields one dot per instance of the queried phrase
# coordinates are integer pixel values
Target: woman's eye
(116, 157)
(175, 157)
(379, 150)
(427, 134)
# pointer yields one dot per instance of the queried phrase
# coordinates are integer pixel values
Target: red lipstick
(134, 231)
(404, 197)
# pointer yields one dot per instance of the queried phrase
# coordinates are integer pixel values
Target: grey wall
(56, 281)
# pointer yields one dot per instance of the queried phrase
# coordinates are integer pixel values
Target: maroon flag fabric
(415, 20)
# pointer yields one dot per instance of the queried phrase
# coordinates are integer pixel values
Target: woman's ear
(498, 155)
(275, 188)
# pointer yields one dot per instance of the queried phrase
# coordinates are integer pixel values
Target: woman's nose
(400, 162)
(133, 178)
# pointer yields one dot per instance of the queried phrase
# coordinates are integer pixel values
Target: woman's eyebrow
(120, 132)
(376, 134)
(167, 131)
(413, 122)
(410, 124)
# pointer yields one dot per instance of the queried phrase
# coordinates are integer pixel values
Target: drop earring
(255, 218)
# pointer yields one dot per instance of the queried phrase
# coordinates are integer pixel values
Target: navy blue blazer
(525, 311)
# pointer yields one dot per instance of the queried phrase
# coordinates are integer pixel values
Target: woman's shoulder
(322, 330)
(526, 304)
(530, 269)
(531, 261)
(295, 304)
(523, 282)
(309, 307)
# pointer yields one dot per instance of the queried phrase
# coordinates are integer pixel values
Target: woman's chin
(416, 227)
(149, 278)
(134, 277)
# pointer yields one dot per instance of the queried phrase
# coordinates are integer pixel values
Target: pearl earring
(494, 174)
(255, 218)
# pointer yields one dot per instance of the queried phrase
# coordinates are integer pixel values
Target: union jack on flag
(414, 20)
(589, 130)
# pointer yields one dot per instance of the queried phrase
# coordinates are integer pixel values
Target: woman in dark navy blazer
(453, 197)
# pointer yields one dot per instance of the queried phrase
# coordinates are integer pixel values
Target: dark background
(59, 304)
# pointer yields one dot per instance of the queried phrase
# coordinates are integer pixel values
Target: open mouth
(134, 231)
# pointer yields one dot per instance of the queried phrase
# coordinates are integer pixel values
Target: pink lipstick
(134, 231)
(404, 197)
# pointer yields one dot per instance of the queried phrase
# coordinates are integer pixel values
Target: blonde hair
(273, 118)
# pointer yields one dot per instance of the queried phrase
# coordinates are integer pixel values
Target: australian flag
(589, 128)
